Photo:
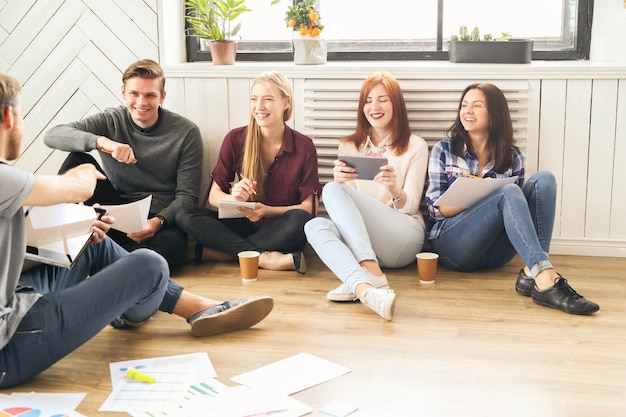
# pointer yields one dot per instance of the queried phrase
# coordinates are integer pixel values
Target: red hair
(400, 131)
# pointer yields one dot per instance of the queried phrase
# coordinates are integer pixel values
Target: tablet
(366, 166)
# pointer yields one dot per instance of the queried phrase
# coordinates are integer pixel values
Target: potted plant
(212, 20)
(309, 45)
(469, 47)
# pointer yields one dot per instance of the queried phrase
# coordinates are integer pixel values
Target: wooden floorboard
(466, 346)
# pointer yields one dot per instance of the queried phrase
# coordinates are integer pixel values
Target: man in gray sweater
(145, 150)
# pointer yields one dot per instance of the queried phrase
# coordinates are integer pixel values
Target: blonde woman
(270, 164)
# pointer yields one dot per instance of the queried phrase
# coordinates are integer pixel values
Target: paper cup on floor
(249, 265)
(427, 267)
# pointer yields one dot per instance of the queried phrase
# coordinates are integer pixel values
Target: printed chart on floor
(34, 404)
(174, 376)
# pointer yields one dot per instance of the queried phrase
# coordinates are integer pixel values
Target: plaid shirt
(443, 169)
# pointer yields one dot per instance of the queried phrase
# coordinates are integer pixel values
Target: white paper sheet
(465, 192)
(228, 208)
(57, 234)
(291, 375)
(131, 217)
(242, 401)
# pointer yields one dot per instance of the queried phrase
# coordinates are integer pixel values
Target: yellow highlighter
(139, 376)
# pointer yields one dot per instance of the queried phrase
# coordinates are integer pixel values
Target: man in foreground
(47, 312)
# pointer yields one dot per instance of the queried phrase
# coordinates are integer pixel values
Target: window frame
(284, 50)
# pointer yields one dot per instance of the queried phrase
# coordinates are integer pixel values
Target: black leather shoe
(563, 297)
(524, 284)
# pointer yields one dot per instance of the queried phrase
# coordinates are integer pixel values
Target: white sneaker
(381, 300)
(343, 293)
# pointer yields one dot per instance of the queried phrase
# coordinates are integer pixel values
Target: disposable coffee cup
(249, 265)
(427, 267)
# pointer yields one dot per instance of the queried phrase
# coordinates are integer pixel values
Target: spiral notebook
(227, 209)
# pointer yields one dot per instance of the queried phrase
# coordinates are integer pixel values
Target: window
(414, 30)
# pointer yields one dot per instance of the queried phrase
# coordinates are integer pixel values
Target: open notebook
(58, 234)
(227, 209)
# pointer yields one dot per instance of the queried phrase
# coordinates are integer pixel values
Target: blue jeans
(362, 228)
(170, 242)
(511, 220)
(77, 304)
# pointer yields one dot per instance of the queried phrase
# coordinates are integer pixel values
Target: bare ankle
(372, 267)
(276, 261)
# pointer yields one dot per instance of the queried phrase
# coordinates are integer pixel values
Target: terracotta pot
(223, 52)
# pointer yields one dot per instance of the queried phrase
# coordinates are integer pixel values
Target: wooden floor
(466, 346)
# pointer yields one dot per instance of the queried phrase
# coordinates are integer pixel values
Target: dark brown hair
(501, 143)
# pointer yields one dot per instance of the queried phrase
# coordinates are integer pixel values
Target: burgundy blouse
(290, 179)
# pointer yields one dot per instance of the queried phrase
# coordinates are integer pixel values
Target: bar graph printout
(174, 377)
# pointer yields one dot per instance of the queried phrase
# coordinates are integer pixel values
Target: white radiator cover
(330, 112)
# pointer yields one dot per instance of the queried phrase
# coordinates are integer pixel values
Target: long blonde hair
(252, 162)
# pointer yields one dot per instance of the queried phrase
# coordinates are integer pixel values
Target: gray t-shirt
(15, 186)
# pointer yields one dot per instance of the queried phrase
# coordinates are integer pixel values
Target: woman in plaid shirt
(516, 219)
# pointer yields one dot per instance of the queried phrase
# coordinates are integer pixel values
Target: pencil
(106, 151)
(244, 178)
(472, 176)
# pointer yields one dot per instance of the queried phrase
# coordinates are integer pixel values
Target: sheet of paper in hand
(58, 234)
(227, 209)
(130, 217)
(465, 192)
(366, 166)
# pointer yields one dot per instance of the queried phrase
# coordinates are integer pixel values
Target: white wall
(70, 54)
(604, 31)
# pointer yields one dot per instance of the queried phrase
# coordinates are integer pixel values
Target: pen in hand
(244, 178)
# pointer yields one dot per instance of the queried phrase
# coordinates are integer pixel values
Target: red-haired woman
(373, 223)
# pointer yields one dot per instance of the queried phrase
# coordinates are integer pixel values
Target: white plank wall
(70, 54)
(617, 228)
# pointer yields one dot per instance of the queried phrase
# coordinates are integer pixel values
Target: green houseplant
(470, 47)
(213, 21)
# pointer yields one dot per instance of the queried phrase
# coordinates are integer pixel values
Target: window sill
(406, 69)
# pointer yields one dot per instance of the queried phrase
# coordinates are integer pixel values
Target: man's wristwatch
(163, 221)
